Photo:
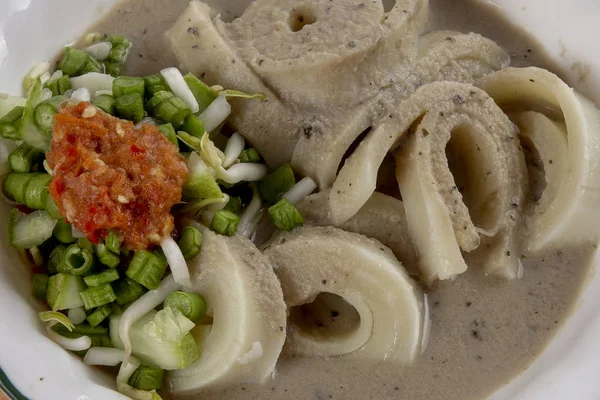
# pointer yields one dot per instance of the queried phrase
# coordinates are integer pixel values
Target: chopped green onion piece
(84, 243)
(76, 260)
(190, 242)
(40, 286)
(59, 86)
(119, 39)
(52, 208)
(73, 61)
(99, 315)
(106, 256)
(173, 110)
(24, 157)
(285, 216)
(127, 291)
(118, 53)
(113, 241)
(82, 329)
(10, 124)
(97, 296)
(63, 291)
(154, 84)
(56, 257)
(28, 131)
(191, 305)
(202, 92)
(276, 183)
(225, 222)
(106, 103)
(234, 205)
(125, 85)
(65, 323)
(147, 268)
(169, 132)
(194, 126)
(36, 191)
(131, 107)
(28, 230)
(113, 68)
(157, 100)
(147, 377)
(106, 276)
(16, 185)
(201, 186)
(43, 116)
(92, 65)
(63, 232)
(250, 155)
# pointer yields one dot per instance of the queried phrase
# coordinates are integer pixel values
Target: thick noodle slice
(310, 261)
(244, 299)
(438, 218)
(569, 149)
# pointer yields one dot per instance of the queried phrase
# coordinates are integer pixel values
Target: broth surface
(484, 331)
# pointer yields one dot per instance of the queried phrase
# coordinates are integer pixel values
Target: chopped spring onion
(300, 190)
(209, 211)
(93, 81)
(234, 205)
(106, 276)
(29, 132)
(285, 216)
(24, 157)
(99, 315)
(92, 65)
(10, 123)
(225, 222)
(76, 260)
(157, 100)
(130, 106)
(63, 232)
(52, 209)
(28, 230)
(73, 61)
(55, 258)
(203, 94)
(40, 70)
(190, 242)
(93, 37)
(97, 296)
(113, 68)
(142, 306)
(106, 256)
(36, 256)
(250, 155)
(169, 132)
(176, 261)
(147, 268)
(180, 88)
(76, 315)
(252, 214)
(193, 126)
(7, 103)
(216, 113)
(63, 291)
(125, 85)
(99, 51)
(173, 110)
(127, 291)
(276, 183)
(191, 305)
(200, 184)
(6, 147)
(235, 146)
(52, 318)
(106, 103)
(155, 84)
(147, 377)
(81, 94)
(43, 115)
(58, 83)
(30, 189)
(113, 241)
(40, 286)
(120, 49)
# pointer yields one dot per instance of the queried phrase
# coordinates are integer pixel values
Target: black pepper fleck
(458, 99)
(324, 281)
(195, 47)
(334, 313)
(468, 304)
(193, 31)
(352, 44)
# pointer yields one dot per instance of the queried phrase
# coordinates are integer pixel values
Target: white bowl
(33, 30)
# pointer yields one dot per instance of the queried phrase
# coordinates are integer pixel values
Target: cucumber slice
(63, 291)
(28, 230)
(153, 350)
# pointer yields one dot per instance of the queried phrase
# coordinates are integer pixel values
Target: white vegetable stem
(243, 172)
(142, 306)
(76, 315)
(177, 84)
(179, 268)
(93, 82)
(235, 146)
(216, 113)
(251, 216)
(300, 190)
(107, 356)
(79, 344)
(99, 50)
(426, 324)
(81, 94)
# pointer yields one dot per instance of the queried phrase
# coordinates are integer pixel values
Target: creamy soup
(484, 330)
